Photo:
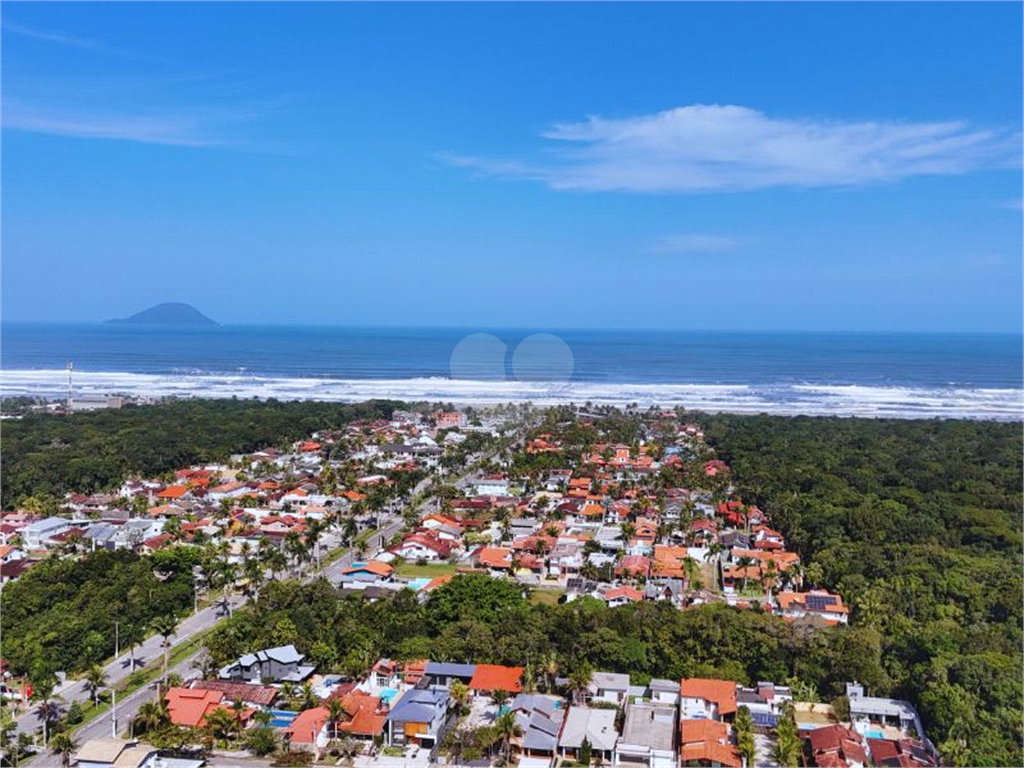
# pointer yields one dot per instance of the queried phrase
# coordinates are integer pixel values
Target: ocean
(977, 376)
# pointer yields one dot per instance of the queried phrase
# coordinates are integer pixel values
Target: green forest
(44, 455)
(918, 524)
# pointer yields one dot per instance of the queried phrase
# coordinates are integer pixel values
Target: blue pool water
(282, 718)
(874, 734)
(388, 694)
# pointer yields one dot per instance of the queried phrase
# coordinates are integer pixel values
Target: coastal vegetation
(45, 456)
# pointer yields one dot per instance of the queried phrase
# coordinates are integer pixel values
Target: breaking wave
(782, 399)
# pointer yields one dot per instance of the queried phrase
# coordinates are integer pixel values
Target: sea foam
(782, 399)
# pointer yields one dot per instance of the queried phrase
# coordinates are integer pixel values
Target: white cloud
(148, 130)
(724, 147)
(694, 242)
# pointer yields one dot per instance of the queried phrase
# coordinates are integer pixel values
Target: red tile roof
(721, 692)
(493, 677)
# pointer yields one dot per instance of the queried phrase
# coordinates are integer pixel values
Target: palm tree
(335, 713)
(743, 563)
(459, 693)
(221, 724)
(579, 682)
(64, 745)
(95, 678)
(152, 715)
(165, 626)
(507, 729)
(747, 748)
(48, 709)
(549, 668)
(500, 697)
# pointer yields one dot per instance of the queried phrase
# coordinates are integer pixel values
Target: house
(900, 753)
(663, 691)
(9, 554)
(488, 678)
(254, 695)
(540, 719)
(495, 559)
(365, 715)
(281, 664)
(35, 535)
(836, 746)
(440, 674)
(869, 710)
(118, 753)
(449, 419)
(385, 674)
(419, 717)
(609, 687)
(188, 707)
(648, 736)
(419, 546)
(372, 571)
(707, 742)
(817, 602)
(765, 702)
(616, 596)
(308, 731)
(596, 726)
(701, 697)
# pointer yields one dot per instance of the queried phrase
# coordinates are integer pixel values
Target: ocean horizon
(878, 374)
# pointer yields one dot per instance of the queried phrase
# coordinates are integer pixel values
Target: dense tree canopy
(60, 614)
(42, 454)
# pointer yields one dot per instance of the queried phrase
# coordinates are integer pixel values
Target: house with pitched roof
(540, 719)
(817, 602)
(282, 664)
(707, 742)
(488, 678)
(308, 732)
(701, 697)
(836, 746)
(597, 726)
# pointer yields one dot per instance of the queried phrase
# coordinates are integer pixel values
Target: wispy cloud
(725, 147)
(176, 131)
(61, 38)
(694, 242)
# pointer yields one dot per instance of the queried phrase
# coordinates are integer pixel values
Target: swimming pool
(874, 734)
(387, 694)
(282, 718)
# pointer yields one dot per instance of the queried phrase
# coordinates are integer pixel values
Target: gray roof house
(595, 725)
(281, 665)
(420, 717)
(540, 718)
(34, 534)
(440, 674)
(648, 736)
(609, 686)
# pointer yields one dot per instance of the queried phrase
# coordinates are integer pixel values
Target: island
(170, 313)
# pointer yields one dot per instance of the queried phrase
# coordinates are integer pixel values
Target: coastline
(784, 399)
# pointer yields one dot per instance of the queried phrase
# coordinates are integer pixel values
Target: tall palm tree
(335, 714)
(549, 668)
(48, 709)
(579, 682)
(459, 693)
(507, 729)
(165, 626)
(95, 678)
(64, 745)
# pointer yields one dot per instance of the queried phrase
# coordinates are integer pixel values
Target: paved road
(121, 667)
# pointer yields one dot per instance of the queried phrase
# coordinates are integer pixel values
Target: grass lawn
(426, 571)
(546, 596)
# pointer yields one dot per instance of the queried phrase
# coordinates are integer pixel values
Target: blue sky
(807, 166)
